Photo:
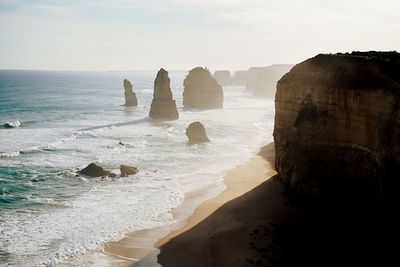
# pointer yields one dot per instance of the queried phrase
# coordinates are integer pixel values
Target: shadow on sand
(269, 226)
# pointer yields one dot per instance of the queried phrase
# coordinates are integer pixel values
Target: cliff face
(163, 106)
(201, 90)
(337, 125)
(262, 80)
(130, 96)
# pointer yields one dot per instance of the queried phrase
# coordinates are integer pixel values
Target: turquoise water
(70, 119)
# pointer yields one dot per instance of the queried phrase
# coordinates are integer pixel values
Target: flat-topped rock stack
(201, 90)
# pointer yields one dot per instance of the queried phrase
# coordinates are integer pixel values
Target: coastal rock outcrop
(94, 170)
(196, 133)
(337, 125)
(163, 106)
(223, 77)
(128, 170)
(130, 96)
(12, 124)
(201, 90)
(262, 80)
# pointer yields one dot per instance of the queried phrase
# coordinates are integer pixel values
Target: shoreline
(143, 246)
(240, 180)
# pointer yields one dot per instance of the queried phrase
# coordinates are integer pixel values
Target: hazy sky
(181, 34)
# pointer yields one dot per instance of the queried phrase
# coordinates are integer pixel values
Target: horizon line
(148, 70)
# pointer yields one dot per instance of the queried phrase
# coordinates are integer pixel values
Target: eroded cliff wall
(337, 125)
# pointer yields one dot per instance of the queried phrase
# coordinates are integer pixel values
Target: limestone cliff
(130, 96)
(337, 125)
(223, 77)
(163, 106)
(201, 90)
(262, 80)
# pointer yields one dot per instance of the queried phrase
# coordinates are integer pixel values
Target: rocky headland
(262, 80)
(201, 90)
(163, 105)
(337, 124)
(130, 96)
(337, 132)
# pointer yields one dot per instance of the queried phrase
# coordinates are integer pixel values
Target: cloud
(53, 9)
(143, 34)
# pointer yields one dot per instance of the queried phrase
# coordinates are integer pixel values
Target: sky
(182, 34)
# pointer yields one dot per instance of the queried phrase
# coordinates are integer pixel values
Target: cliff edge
(337, 125)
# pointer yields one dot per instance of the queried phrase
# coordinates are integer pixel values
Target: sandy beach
(141, 248)
(242, 220)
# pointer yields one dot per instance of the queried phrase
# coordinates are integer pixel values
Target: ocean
(70, 119)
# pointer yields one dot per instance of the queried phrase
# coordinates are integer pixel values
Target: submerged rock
(128, 170)
(130, 96)
(163, 106)
(94, 170)
(337, 125)
(196, 133)
(201, 90)
(12, 124)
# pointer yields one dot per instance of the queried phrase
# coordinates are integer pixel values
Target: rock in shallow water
(196, 133)
(94, 170)
(12, 124)
(128, 170)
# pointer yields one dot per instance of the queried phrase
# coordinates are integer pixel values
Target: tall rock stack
(163, 106)
(201, 90)
(130, 96)
(337, 125)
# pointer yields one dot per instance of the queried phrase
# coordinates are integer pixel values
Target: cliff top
(356, 70)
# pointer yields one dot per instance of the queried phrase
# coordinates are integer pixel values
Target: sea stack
(223, 77)
(163, 106)
(196, 133)
(201, 90)
(337, 126)
(130, 96)
(240, 78)
(262, 80)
